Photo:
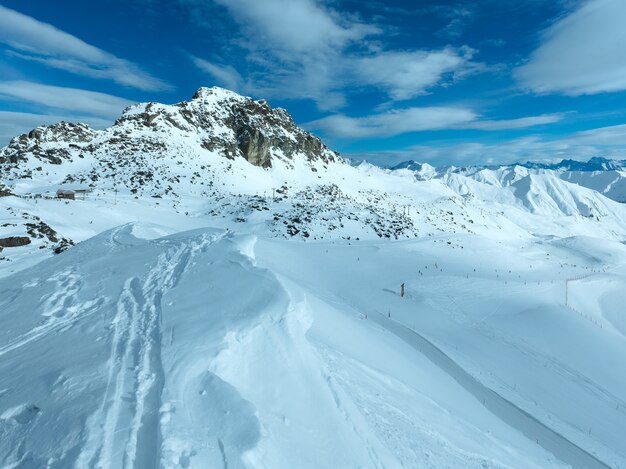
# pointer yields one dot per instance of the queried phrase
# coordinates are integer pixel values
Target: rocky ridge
(218, 120)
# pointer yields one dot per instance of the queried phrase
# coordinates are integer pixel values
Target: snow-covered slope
(227, 293)
(205, 349)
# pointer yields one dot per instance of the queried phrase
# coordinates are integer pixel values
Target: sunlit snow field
(218, 347)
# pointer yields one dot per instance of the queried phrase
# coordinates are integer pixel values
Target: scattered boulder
(14, 241)
(40, 230)
(63, 245)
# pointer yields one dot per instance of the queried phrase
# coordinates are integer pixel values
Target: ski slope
(208, 348)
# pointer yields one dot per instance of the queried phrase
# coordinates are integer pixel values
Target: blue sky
(444, 82)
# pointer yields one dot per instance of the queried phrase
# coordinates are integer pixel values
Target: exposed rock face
(254, 146)
(51, 143)
(14, 241)
(259, 129)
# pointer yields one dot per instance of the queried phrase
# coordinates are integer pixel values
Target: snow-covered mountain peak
(227, 123)
(236, 159)
(603, 175)
(421, 171)
(215, 121)
(215, 93)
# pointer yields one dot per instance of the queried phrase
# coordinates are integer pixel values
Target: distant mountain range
(600, 174)
(593, 164)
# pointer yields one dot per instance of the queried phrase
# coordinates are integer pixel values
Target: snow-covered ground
(220, 314)
(211, 347)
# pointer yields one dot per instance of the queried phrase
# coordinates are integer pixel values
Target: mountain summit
(214, 120)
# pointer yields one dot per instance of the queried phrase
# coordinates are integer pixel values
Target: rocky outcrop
(14, 241)
(259, 129)
(4, 191)
(50, 143)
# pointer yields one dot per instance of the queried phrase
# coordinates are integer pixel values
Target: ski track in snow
(125, 431)
(557, 444)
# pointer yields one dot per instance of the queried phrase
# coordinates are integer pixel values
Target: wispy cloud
(226, 75)
(405, 75)
(301, 26)
(418, 119)
(66, 99)
(583, 53)
(393, 122)
(458, 17)
(54, 104)
(305, 49)
(295, 48)
(520, 123)
(611, 135)
(40, 42)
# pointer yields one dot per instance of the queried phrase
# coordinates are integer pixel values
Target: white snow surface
(202, 328)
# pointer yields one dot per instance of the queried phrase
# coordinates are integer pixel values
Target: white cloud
(417, 119)
(67, 99)
(521, 123)
(41, 42)
(296, 48)
(13, 124)
(458, 16)
(583, 53)
(302, 26)
(225, 75)
(612, 135)
(393, 122)
(305, 49)
(407, 74)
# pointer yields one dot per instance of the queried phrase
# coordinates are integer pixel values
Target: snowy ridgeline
(602, 175)
(279, 337)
